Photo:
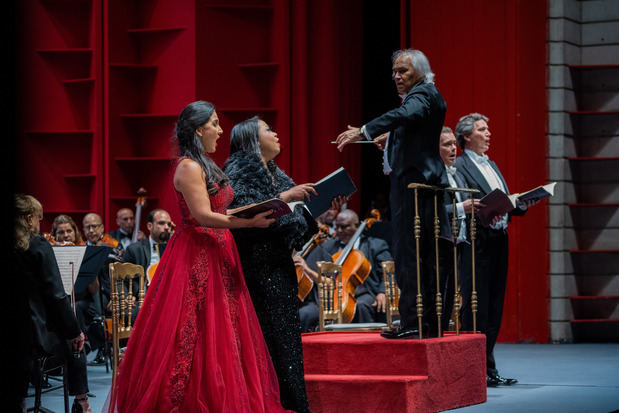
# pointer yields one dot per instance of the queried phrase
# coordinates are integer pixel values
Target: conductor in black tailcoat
(412, 149)
(491, 243)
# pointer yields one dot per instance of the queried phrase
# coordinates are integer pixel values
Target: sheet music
(64, 257)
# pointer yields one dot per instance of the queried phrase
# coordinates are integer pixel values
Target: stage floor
(561, 377)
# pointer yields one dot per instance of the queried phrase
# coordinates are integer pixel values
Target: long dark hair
(191, 118)
(244, 136)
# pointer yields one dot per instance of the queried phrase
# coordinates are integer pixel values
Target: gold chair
(330, 297)
(122, 276)
(392, 292)
(328, 310)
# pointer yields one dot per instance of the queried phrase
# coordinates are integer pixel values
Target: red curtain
(326, 55)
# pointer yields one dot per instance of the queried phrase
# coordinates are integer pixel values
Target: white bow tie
(451, 170)
(483, 159)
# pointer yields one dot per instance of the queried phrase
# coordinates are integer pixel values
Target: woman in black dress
(266, 254)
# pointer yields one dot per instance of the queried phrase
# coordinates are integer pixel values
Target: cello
(138, 213)
(355, 270)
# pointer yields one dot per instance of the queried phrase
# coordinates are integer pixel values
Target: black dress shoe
(494, 380)
(99, 359)
(398, 333)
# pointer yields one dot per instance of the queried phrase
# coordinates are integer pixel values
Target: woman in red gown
(197, 344)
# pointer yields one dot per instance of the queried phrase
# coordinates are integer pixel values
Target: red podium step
(363, 372)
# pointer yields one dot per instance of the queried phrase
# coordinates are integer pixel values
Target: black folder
(335, 184)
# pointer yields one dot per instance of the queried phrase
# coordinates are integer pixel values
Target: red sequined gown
(197, 344)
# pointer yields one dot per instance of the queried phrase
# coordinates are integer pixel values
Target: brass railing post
(439, 298)
(455, 234)
(473, 288)
(419, 297)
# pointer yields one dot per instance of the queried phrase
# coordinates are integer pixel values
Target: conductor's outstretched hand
(349, 136)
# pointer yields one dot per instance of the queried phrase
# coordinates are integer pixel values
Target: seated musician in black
(46, 323)
(93, 302)
(149, 250)
(370, 295)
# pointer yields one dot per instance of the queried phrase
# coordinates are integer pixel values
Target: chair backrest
(328, 309)
(392, 291)
(122, 276)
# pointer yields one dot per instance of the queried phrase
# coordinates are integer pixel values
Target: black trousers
(365, 312)
(491, 260)
(404, 251)
(76, 370)
(446, 268)
(308, 314)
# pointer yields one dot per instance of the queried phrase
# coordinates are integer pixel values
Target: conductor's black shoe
(398, 332)
(99, 359)
(494, 380)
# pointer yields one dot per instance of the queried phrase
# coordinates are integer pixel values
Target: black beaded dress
(269, 270)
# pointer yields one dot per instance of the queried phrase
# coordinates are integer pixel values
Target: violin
(108, 240)
(141, 201)
(374, 216)
(355, 270)
(49, 237)
(305, 282)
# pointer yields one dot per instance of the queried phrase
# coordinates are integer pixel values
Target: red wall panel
(489, 57)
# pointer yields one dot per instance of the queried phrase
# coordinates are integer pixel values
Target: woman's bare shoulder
(187, 170)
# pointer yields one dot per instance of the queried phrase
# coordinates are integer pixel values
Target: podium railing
(416, 187)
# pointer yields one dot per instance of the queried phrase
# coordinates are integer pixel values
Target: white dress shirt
(154, 255)
(451, 171)
(491, 177)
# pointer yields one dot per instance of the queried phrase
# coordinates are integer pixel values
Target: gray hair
(349, 213)
(446, 129)
(418, 60)
(245, 136)
(466, 125)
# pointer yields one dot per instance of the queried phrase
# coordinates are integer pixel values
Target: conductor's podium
(363, 372)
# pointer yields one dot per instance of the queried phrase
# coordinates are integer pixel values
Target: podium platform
(363, 372)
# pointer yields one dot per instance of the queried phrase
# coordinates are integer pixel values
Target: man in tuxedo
(448, 150)
(412, 155)
(126, 223)
(148, 251)
(491, 244)
(92, 303)
(370, 295)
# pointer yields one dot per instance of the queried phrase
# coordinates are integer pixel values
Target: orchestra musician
(47, 325)
(125, 220)
(370, 295)
(308, 307)
(147, 252)
(92, 304)
(65, 232)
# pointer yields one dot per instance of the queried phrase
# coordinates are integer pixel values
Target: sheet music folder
(87, 261)
(335, 184)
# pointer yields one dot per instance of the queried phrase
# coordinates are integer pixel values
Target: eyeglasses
(89, 227)
(340, 226)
